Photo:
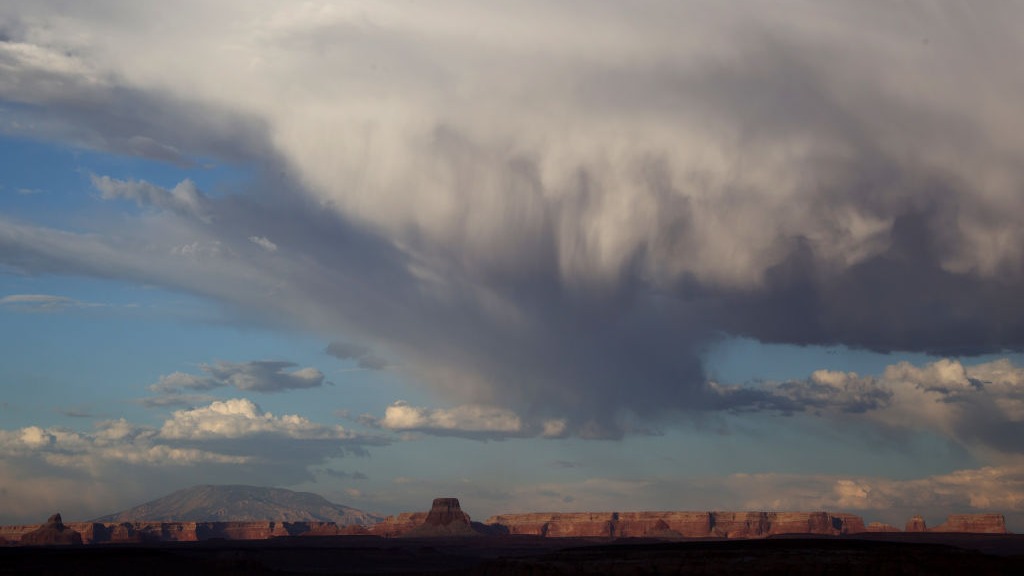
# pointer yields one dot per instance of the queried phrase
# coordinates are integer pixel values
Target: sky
(539, 256)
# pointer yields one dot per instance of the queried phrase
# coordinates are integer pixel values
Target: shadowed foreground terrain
(906, 554)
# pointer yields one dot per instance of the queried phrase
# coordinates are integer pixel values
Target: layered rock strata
(683, 524)
(724, 524)
(882, 527)
(394, 526)
(973, 523)
(445, 518)
(127, 532)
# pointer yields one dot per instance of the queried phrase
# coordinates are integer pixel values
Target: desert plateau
(444, 540)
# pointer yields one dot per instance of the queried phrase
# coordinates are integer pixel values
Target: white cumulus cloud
(242, 418)
(467, 419)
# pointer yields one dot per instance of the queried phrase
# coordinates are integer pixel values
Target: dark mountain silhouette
(208, 503)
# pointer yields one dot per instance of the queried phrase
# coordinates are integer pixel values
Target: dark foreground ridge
(515, 555)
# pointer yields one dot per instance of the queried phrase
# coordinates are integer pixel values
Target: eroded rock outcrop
(557, 524)
(445, 518)
(916, 524)
(136, 532)
(13, 533)
(53, 533)
(678, 524)
(881, 527)
(973, 523)
(848, 523)
(393, 526)
(650, 524)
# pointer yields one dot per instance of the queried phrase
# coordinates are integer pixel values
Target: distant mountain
(241, 503)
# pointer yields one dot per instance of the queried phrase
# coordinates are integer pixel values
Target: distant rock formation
(134, 532)
(53, 533)
(394, 526)
(678, 524)
(973, 523)
(239, 503)
(560, 524)
(966, 523)
(881, 527)
(916, 524)
(445, 518)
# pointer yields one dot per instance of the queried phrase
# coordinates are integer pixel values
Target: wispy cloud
(78, 413)
(44, 303)
(341, 474)
(253, 376)
(184, 198)
(264, 243)
(364, 358)
(172, 400)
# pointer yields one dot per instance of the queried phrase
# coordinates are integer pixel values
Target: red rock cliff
(397, 525)
(683, 524)
(916, 524)
(126, 532)
(973, 523)
(881, 527)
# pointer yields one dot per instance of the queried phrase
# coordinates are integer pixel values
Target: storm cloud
(548, 221)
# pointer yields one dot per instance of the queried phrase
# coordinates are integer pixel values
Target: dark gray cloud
(253, 376)
(361, 354)
(561, 228)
